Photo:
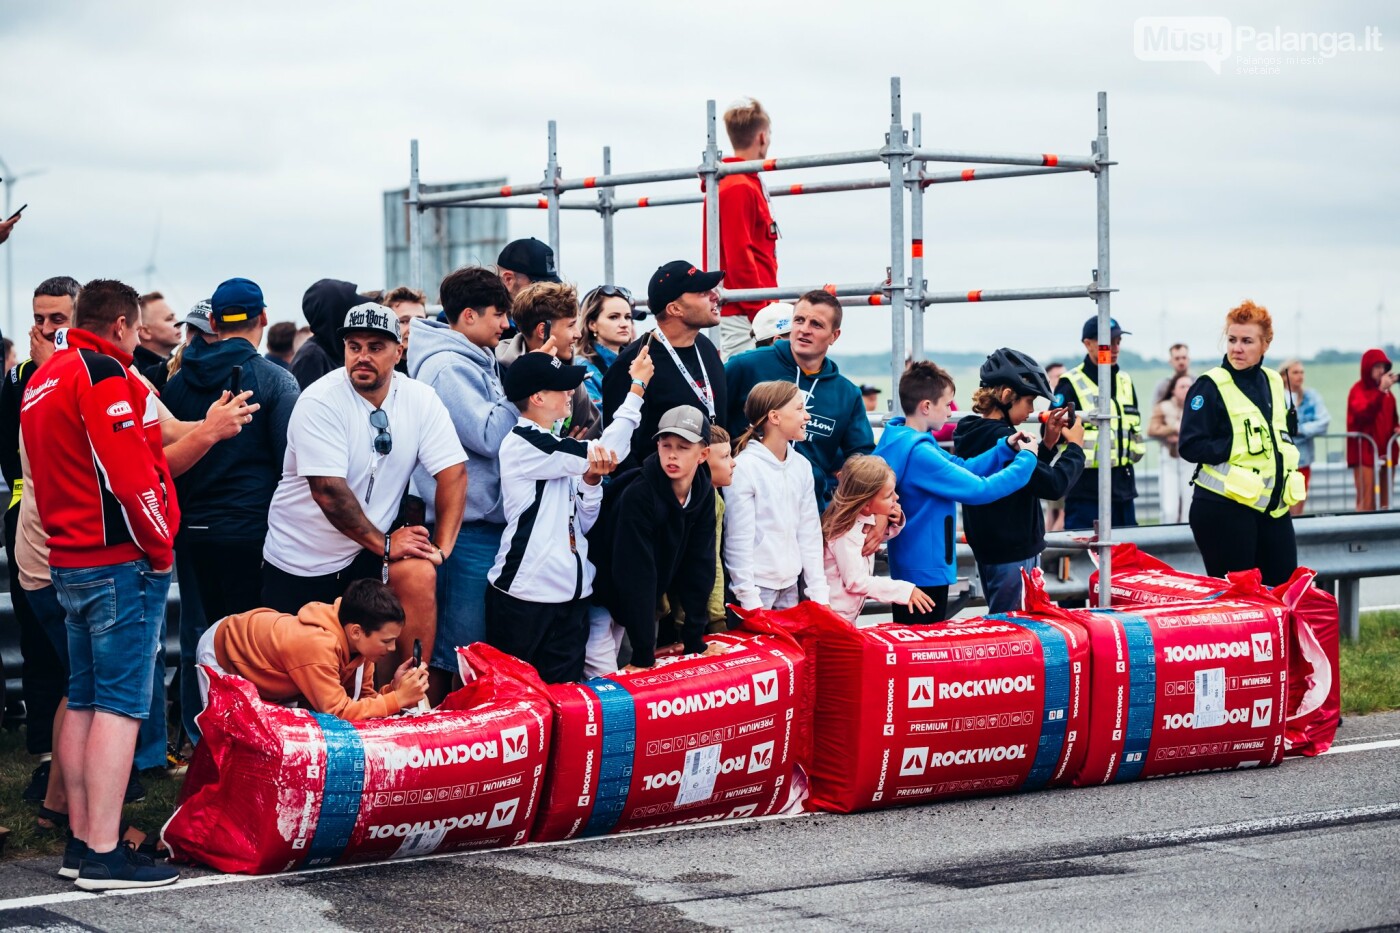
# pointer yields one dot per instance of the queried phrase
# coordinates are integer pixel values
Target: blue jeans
(1081, 514)
(461, 592)
(1001, 583)
(116, 615)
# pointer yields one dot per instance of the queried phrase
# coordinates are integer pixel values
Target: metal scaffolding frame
(906, 161)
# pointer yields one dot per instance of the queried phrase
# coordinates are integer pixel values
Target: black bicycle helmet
(1007, 367)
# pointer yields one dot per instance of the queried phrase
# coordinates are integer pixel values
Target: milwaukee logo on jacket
(103, 488)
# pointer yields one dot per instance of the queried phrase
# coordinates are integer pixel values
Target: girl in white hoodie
(772, 533)
(866, 493)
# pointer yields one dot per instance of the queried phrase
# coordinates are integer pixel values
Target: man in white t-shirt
(355, 438)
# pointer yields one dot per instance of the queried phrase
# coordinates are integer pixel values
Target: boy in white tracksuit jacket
(772, 532)
(537, 597)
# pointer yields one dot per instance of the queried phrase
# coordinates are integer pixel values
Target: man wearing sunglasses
(355, 438)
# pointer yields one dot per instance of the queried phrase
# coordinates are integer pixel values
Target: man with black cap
(1078, 389)
(537, 600)
(688, 367)
(225, 501)
(353, 442)
(324, 306)
(525, 262)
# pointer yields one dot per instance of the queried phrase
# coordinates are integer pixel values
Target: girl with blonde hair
(864, 493)
(772, 533)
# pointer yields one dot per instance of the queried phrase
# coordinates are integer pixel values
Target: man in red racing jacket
(107, 501)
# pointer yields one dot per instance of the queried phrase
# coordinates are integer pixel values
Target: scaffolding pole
(709, 171)
(551, 179)
(896, 153)
(913, 181)
(605, 208)
(415, 221)
(1103, 416)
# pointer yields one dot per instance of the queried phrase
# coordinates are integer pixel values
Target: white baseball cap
(773, 321)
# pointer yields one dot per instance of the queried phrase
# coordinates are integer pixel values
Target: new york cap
(371, 317)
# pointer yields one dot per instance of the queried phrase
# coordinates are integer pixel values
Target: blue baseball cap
(237, 300)
(1091, 329)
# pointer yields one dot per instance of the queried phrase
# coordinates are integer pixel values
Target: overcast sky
(259, 137)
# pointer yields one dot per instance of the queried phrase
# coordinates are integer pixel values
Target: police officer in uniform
(1236, 427)
(1078, 389)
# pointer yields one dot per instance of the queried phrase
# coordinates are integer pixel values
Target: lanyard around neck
(702, 390)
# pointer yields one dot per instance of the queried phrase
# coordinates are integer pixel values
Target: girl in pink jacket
(866, 491)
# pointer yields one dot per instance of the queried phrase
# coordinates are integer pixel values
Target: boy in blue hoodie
(458, 359)
(840, 425)
(931, 483)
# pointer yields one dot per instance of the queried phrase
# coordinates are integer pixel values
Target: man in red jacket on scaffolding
(748, 237)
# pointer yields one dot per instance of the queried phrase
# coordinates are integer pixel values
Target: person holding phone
(8, 223)
(1008, 534)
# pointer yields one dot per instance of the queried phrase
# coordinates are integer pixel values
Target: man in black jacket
(656, 536)
(688, 367)
(1008, 535)
(224, 501)
(324, 306)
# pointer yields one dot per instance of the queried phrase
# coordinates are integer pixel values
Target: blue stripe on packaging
(342, 791)
(1142, 696)
(619, 715)
(1054, 715)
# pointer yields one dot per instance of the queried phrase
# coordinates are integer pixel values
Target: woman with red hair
(1235, 425)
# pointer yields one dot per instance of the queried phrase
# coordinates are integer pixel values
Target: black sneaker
(135, 790)
(38, 787)
(123, 867)
(73, 854)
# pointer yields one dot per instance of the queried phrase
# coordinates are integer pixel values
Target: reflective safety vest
(1125, 428)
(1250, 477)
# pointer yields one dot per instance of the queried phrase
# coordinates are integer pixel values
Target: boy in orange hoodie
(323, 657)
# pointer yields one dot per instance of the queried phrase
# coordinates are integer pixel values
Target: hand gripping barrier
(907, 714)
(1314, 680)
(275, 789)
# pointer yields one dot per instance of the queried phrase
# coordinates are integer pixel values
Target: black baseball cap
(868, 389)
(1091, 329)
(529, 257)
(675, 279)
(371, 317)
(540, 372)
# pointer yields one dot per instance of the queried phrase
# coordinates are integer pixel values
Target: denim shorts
(114, 621)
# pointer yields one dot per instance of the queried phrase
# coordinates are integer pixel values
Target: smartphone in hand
(236, 380)
(417, 653)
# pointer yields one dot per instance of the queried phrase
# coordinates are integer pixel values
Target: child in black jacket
(1007, 536)
(656, 536)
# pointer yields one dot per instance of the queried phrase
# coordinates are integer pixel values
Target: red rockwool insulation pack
(905, 714)
(275, 789)
(1314, 681)
(1183, 687)
(691, 740)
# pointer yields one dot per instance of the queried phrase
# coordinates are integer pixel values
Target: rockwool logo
(1263, 713)
(503, 813)
(972, 756)
(1188, 720)
(711, 699)
(1212, 651)
(466, 821)
(920, 692)
(445, 755)
(987, 687)
(765, 687)
(914, 762)
(761, 758)
(515, 744)
(1263, 644)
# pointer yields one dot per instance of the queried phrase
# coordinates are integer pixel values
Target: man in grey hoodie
(458, 360)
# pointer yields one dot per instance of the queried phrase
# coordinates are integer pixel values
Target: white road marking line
(1202, 833)
(1363, 747)
(1267, 824)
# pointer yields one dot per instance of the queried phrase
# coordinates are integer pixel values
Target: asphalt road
(1311, 845)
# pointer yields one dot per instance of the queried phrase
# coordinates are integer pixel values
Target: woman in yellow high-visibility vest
(1236, 427)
